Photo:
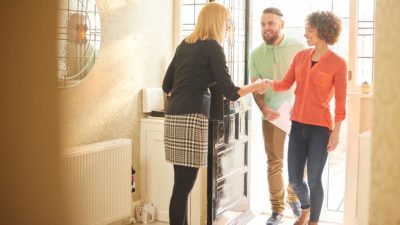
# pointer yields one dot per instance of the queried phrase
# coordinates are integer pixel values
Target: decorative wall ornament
(79, 37)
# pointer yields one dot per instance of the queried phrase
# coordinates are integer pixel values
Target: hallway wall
(385, 174)
(136, 48)
(29, 173)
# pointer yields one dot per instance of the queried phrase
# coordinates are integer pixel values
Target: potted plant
(365, 87)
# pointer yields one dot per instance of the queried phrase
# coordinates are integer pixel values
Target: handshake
(261, 85)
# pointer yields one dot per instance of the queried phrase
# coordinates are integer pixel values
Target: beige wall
(136, 48)
(385, 174)
(29, 191)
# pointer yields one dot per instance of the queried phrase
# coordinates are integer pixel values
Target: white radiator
(96, 182)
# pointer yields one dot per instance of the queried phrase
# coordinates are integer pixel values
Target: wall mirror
(79, 37)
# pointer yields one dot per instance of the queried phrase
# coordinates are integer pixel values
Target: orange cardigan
(315, 87)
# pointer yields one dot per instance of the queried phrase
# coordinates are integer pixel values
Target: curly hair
(327, 24)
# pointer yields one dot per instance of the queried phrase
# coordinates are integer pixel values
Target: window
(365, 41)
(189, 12)
(235, 47)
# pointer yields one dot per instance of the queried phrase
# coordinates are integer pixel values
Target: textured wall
(385, 174)
(137, 44)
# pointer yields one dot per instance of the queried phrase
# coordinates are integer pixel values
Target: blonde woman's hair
(210, 24)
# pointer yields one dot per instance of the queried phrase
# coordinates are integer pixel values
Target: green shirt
(272, 62)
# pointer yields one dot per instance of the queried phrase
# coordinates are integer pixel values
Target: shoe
(296, 208)
(304, 217)
(312, 223)
(275, 219)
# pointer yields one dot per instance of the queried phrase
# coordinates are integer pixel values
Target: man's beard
(272, 39)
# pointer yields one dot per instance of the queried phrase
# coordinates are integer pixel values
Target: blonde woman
(199, 63)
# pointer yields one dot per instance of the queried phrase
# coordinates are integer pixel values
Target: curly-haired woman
(320, 75)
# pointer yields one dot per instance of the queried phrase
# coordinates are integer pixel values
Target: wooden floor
(261, 220)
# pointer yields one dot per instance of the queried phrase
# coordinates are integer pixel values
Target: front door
(228, 169)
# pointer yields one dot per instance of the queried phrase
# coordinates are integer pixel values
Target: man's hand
(270, 114)
(267, 112)
(268, 82)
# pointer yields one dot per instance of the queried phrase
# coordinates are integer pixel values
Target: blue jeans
(307, 144)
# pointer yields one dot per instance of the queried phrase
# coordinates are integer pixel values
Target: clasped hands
(262, 85)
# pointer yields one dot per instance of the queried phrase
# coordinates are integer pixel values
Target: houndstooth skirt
(186, 139)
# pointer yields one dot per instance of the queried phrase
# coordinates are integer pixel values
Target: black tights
(184, 178)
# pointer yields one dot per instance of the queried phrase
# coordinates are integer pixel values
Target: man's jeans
(308, 144)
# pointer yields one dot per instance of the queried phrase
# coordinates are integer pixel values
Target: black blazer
(193, 70)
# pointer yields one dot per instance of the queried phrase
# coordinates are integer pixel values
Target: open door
(228, 199)
(228, 169)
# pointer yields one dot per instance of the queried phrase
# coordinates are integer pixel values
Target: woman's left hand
(333, 140)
